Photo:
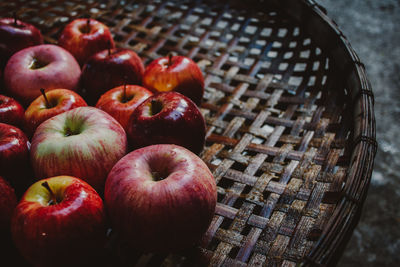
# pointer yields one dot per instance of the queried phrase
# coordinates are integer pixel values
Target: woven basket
(289, 112)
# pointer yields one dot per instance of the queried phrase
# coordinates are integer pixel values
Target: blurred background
(371, 26)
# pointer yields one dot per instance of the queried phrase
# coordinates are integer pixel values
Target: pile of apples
(91, 140)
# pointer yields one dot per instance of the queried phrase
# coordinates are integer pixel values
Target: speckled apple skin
(14, 148)
(11, 111)
(63, 234)
(179, 122)
(38, 112)
(14, 38)
(183, 75)
(89, 155)
(166, 215)
(111, 102)
(108, 69)
(83, 45)
(24, 83)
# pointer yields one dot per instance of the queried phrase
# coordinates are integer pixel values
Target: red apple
(60, 221)
(121, 101)
(14, 150)
(167, 118)
(16, 35)
(42, 66)
(11, 112)
(175, 73)
(8, 201)
(115, 67)
(83, 142)
(48, 105)
(160, 198)
(85, 37)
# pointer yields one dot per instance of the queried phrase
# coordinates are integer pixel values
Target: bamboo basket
(290, 120)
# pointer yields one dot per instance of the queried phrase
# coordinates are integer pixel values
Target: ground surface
(372, 28)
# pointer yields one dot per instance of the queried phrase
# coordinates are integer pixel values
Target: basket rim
(331, 245)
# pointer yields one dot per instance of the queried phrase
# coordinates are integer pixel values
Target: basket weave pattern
(283, 136)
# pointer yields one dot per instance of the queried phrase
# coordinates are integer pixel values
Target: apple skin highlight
(11, 111)
(175, 73)
(161, 198)
(84, 38)
(57, 69)
(61, 100)
(83, 142)
(64, 233)
(16, 35)
(121, 109)
(167, 118)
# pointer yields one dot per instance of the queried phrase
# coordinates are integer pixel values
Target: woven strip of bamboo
(289, 112)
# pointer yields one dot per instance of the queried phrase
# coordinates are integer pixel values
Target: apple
(14, 156)
(121, 101)
(115, 67)
(175, 73)
(59, 221)
(16, 35)
(48, 105)
(11, 112)
(85, 37)
(167, 118)
(42, 66)
(8, 201)
(84, 142)
(160, 198)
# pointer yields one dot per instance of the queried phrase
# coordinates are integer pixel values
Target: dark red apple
(14, 157)
(8, 201)
(121, 101)
(160, 198)
(48, 105)
(108, 69)
(16, 35)
(175, 73)
(84, 38)
(167, 118)
(11, 112)
(60, 221)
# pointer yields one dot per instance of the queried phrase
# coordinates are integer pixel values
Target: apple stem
(45, 98)
(170, 59)
(124, 95)
(109, 47)
(88, 25)
(53, 199)
(15, 19)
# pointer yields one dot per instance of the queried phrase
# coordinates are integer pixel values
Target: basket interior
(278, 119)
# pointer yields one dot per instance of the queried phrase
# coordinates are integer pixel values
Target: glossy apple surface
(58, 101)
(11, 112)
(121, 101)
(83, 142)
(160, 198)
(16, 35)
(59, 221)
(175, 73)
(42, 66)
(115, 67)
(14, 157)
(85, 37)
(167, 118)
(8, 201)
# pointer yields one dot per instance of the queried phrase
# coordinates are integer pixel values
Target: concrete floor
(372, 28)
